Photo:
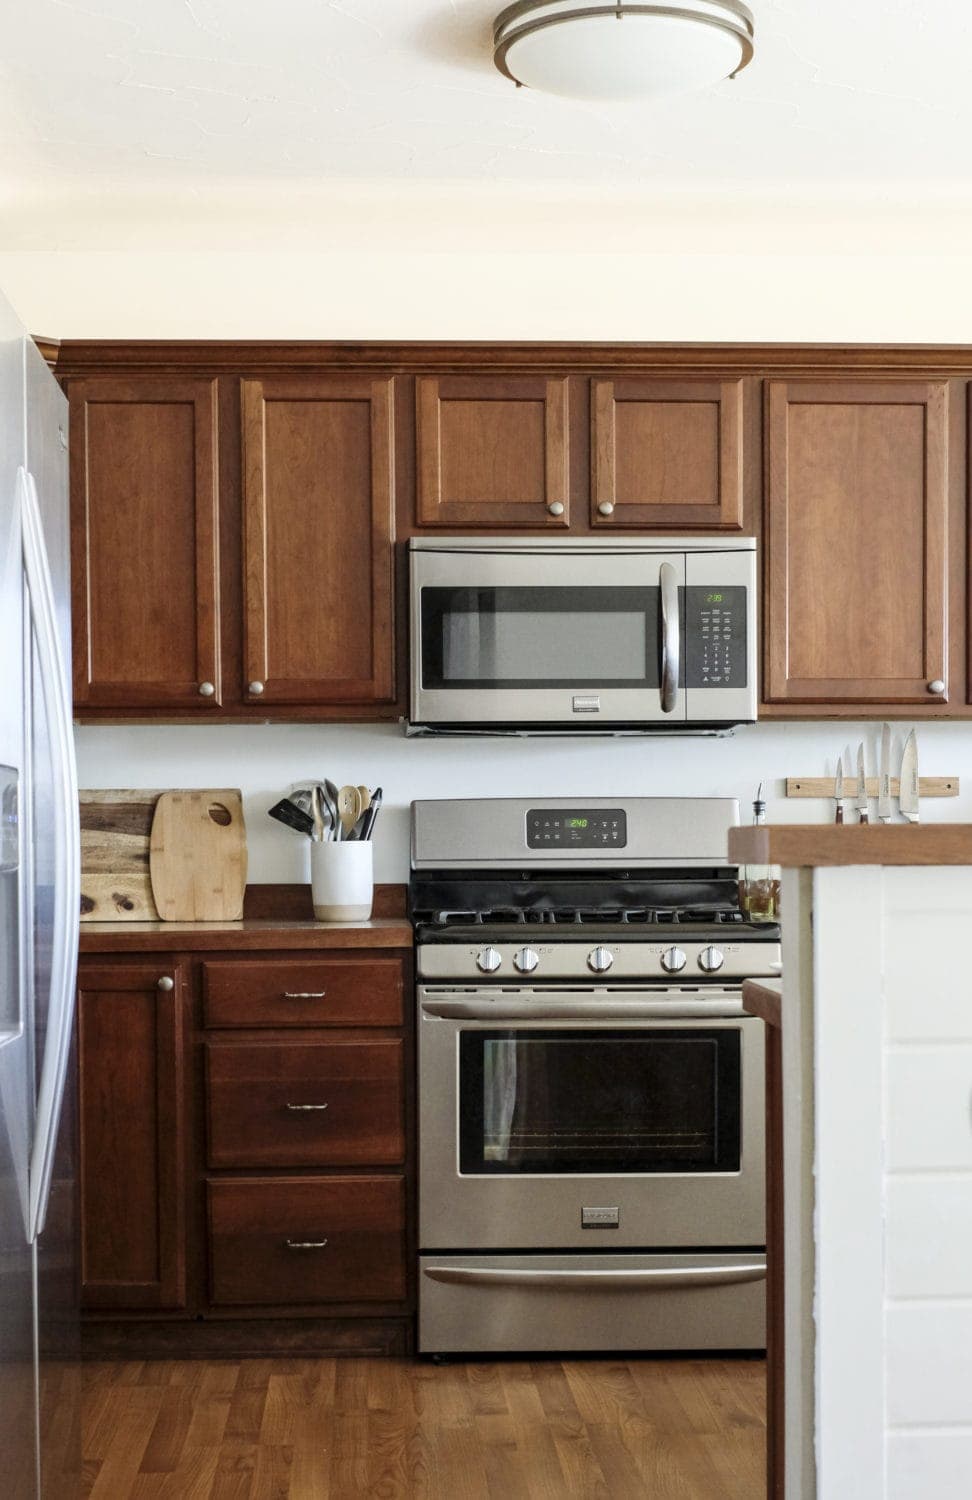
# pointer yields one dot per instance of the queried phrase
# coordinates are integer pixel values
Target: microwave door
(563, 639)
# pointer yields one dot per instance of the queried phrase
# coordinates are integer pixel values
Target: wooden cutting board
(197, 856)
(115, 832)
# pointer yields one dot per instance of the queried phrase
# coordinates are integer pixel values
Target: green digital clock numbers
(713, 598)
(577, 822)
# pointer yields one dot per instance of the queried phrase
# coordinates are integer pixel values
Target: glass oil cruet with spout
(759, 885)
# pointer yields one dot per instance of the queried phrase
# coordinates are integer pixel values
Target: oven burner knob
(711, 959)
(488, 960)
(672, 960)
(525, 961)
(600, 960)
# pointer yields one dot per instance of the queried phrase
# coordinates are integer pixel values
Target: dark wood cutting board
(116, 828)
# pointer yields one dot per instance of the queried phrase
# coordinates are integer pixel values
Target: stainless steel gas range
(590, 1090)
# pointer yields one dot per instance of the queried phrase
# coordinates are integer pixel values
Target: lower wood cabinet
(132, 1103)
(246, 1165)
(307, 1239)
(304, 1103)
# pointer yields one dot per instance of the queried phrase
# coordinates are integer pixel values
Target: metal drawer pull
(655, 1276)
(304, 994)
(306, 1106)
(305, 1244)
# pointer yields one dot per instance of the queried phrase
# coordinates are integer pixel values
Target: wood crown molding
(85, 357)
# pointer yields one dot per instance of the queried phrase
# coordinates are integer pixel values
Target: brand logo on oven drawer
(600, 1218)
(586, 703)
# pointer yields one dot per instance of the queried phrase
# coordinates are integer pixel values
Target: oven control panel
(576, 828)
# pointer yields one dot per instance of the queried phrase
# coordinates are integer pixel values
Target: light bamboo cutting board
(115, 830)
(197, 856)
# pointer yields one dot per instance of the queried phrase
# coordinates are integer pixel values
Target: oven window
(540, 637)
(664, 1100)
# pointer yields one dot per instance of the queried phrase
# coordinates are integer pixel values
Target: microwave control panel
(576, 828)
(715, 636)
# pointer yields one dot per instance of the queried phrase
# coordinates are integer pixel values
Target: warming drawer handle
(671, 646)
(297, 1108)
(304, 994)
(664, 1276)
(305, 1244)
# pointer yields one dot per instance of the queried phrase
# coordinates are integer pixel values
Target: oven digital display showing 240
(587, 828)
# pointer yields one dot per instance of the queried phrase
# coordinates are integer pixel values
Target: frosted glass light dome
(585, 50)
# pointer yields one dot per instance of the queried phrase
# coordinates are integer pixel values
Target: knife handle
(839, 816)
(864, 817)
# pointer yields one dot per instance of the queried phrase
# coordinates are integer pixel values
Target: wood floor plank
(399, 1429)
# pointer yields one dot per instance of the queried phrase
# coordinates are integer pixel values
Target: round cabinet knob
(165, 983)
(488, 960)
(525, 961)
(605, 508)
(255, 689)
(555, 508)
(206, 689)
(936, 686)
(673, 960)
(600, 960)
(711, 959)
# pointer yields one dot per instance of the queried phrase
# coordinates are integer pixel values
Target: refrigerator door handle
(67, 854)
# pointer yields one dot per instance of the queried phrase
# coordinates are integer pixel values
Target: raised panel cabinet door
(144, 543)
(318, 497)
(856, 595)
(492, 451)
(667, 453)
(132, 1111)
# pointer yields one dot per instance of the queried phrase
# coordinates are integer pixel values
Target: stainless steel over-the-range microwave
(578, 634)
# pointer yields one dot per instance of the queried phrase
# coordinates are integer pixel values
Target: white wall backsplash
(263, 759)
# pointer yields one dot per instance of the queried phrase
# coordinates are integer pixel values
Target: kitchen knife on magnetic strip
(839, 790)
(861, 798)
(908, 795)
(884, 784)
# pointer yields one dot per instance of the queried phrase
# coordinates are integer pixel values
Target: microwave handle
(670, 645)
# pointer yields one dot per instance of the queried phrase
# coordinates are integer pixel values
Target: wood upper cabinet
(131, 1101)
(855, 550)
(144, 543)
(492, 451)
(318, 493)
(667, 453)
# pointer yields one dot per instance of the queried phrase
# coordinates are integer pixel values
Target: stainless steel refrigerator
(39, 894)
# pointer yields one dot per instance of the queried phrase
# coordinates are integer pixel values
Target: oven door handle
(511, 1009)
(662, 1276)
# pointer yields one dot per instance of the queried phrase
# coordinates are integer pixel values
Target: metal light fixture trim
(527, 19)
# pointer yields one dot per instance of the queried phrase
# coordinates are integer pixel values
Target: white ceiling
(841, 92)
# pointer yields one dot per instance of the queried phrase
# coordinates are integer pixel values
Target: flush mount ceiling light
(586, 50)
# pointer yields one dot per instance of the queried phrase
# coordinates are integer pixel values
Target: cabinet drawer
(305, 1104)
(307, 1240)
(315, 992)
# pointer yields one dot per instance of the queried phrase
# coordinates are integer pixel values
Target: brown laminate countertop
(250, 934)
(763, 998)
(800, 844)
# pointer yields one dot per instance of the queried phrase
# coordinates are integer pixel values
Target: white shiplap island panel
(877, 1065)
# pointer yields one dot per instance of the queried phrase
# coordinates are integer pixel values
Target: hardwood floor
(396, 1429)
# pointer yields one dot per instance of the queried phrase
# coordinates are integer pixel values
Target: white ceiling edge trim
(335, 216)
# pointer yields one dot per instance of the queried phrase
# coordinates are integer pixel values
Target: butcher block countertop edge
(763, 998)
(797, 845)
(251, 933)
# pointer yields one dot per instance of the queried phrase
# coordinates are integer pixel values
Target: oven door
(563, 638)
(590, 1119)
